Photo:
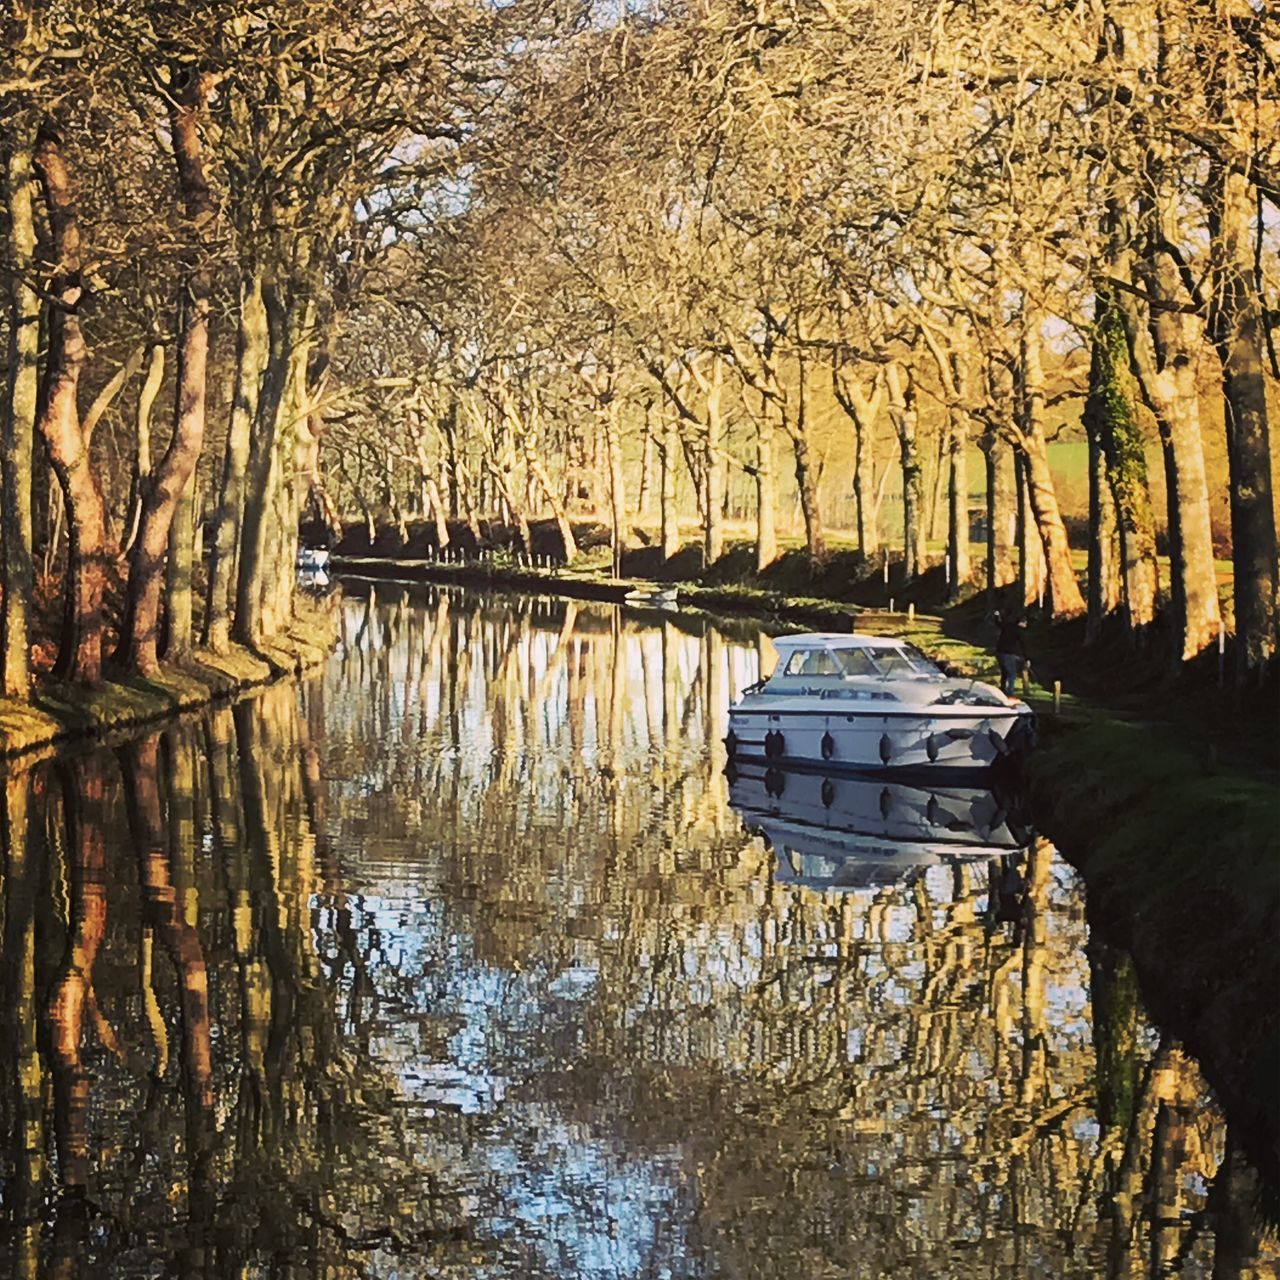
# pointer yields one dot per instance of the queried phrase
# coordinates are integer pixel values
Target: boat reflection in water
(855, 832)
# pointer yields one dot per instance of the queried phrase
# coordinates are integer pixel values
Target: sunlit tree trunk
(902, 410)
(1032, 577)
(1063, 587)
(263, 479)
(1165, 346)
(69, 445)
(1103, 595)
(862, 410)
(766, 495)
(139, 629)
(1001, 515)
(1236, 322)
(1111, 413)
(617, 485)
(251, 353)
(958, 503)
(713, 467)
(644, 498)
(668, 498)
(179, 573)
(808, 470)
(20, 403)
(141, 476)
(563, 524)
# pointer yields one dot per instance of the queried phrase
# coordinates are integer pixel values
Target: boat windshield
(845, 662)
(904, 660)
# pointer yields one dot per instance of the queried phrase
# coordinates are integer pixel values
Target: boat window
(926, 666)
(857, 662)
(811, 662)
(903, 662)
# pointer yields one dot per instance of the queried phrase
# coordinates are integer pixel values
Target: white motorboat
(313, 559)
(653, 598)
(873, 703)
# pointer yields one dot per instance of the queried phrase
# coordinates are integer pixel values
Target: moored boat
(873, 703)
(655, 598)
(314, 559)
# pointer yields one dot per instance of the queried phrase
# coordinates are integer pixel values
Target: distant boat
(655, 598)
(313, 559)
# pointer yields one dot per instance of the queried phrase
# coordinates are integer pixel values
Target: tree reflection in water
(458, 963)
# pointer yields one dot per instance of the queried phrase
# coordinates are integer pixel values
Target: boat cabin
(803, 659)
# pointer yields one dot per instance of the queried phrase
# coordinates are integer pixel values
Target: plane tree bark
(90, 553)
(140, 627)
(17, 442)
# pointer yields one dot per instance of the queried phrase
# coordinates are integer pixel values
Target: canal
(467, 958)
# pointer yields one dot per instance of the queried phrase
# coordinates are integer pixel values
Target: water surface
(458, 961)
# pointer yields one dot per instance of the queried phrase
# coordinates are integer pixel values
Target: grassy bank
(62, 713)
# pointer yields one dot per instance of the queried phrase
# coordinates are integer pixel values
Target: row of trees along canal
(481, 267)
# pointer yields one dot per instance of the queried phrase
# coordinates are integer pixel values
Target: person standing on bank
(1011, 652)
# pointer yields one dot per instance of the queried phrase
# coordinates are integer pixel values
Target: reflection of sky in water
(583, 1203)
(653, 942)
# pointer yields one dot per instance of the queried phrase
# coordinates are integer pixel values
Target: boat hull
(884, 740)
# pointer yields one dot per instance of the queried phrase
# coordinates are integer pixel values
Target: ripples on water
(459, 962)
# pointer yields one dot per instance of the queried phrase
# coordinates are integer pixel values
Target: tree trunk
(300, 445)
(439, 513)
(617, 486)
(538, 469)
(1165, 347)
(70, 447)
(1032, 568)
(141, 477)
(958, 505)
(139, 631)
(902, 410)
(713, 471)
(810, 504)
(766, 495)
(179, 572)
(864, 469)
(1063, 587)
(262, 468)
(17, 443)
(1001, 515)
(938, 480)
(862, 411)
(1237, 327)
(668, 498)
(251, 352)
(1102, 588)
(644, 499)
(1111, 416)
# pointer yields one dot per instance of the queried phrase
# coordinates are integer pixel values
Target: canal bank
(1177, 843)
(61, 714)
